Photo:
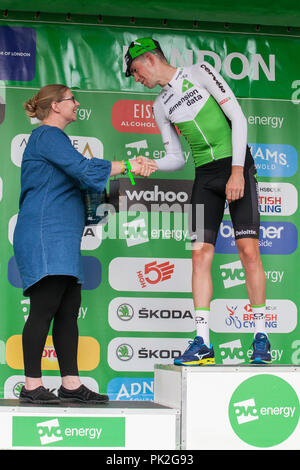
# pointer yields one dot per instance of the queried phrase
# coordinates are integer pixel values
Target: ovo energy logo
(68, 432)
(264, 410)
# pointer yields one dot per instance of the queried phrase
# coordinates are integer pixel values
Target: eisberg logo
(275, 159)
(276, 238)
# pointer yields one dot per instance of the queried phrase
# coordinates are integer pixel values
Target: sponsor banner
(233, 275)
(236, 316)
(92, 273)
(236, 352)
(140, 354)
(17, 53)
(88, 353)
(134, 116)
(275, 160)
(151, 274)
(131, 388)
(155, 195)
(70, 431)
(275, 199)
(151, 314)
(276, 238)
(89, 147)
(260, 404)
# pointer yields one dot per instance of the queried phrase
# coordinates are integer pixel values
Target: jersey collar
(174, 83)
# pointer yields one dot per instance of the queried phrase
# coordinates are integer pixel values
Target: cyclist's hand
(235, 185)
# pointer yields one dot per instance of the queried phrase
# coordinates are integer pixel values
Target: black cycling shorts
(209, 192)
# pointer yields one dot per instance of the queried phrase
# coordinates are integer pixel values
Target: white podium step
(233, 407)
(119, 425)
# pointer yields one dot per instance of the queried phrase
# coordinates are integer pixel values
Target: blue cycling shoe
(261, 350)
(197, 354)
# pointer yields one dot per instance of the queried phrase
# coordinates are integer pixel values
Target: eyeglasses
(72, 98)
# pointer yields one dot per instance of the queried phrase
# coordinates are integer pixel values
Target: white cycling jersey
(202, 106)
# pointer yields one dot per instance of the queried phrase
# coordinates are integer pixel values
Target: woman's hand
(143, 166)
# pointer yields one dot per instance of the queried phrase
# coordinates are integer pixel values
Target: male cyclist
(199, 102)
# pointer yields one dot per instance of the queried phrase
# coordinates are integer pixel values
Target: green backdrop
(137, 303)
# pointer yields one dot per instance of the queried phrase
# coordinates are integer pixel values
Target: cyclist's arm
(222, 93)
(173, 159)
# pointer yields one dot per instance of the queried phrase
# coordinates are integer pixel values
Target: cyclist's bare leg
(202, 288)
(255, 275)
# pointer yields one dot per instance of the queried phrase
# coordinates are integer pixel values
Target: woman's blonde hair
(40, 104)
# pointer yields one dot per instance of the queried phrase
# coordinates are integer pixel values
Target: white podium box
(233, 407)
(122, 425)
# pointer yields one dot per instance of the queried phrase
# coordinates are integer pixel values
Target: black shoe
(81, 394)
(39, 396)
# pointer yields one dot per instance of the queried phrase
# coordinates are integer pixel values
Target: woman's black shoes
(42, 396)
(38, 396)
(81, 394)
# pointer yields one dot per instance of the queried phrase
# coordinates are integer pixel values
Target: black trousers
(54, 298)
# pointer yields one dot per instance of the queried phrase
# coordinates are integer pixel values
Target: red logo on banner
(134, 116)
(155, 273)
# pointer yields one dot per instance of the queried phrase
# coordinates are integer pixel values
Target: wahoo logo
(232, 274)
(49, 431)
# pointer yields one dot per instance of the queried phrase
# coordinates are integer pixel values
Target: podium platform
(119, 425)
(233, 407)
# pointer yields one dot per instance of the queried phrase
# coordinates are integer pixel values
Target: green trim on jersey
(208, 134)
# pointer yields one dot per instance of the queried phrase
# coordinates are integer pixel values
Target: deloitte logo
(264, 410)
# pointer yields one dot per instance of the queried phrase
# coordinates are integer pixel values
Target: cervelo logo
(89, 147)
(275, 159)
(148, 274)
(151, 314)
(217, 82)
(275, 238)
